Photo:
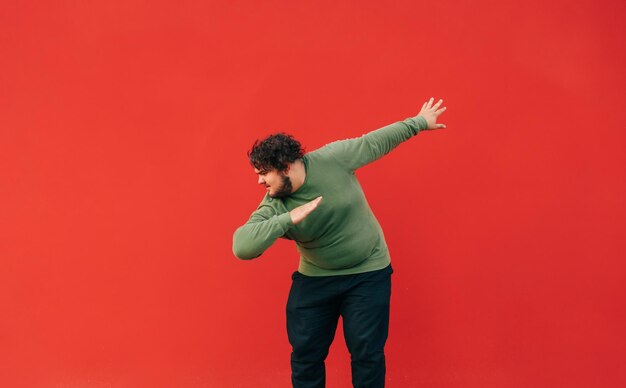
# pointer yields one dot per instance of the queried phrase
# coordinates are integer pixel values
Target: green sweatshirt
(341, 236)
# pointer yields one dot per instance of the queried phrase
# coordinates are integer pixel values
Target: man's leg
(365, 312)
(312, 315)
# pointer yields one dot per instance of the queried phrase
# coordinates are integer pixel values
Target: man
(345, 270)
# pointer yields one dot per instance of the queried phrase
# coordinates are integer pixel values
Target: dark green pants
(313, 310)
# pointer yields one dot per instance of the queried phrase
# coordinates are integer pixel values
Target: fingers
(441, 126)
(302, 211)
(440, 111)
(314, 201)
(310, 206)
(429, 105)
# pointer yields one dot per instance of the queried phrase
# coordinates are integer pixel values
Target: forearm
(417, 124)
(253, 238)
(381, 141)
(357, 152)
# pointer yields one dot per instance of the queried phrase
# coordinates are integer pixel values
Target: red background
(124, 128)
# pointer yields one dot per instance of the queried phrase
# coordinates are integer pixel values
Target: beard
(285, 188)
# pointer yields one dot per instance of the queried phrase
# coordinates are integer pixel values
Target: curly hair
(276, 151)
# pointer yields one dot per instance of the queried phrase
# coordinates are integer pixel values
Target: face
(278, 184)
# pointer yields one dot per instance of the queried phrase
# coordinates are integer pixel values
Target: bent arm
(357, 152)
(260, 232)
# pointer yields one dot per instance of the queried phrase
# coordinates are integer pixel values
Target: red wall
(124, 128)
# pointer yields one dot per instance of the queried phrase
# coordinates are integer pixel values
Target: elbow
(241, 251)
(243, 254)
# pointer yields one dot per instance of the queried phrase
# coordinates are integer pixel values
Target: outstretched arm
(357, 152)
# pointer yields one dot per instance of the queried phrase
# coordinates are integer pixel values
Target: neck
(297, 174)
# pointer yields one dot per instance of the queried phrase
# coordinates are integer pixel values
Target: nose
(261, 181)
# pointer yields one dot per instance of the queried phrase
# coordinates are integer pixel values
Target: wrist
(417, 124)
(421, 122)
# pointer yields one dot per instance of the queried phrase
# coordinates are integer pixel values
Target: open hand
(300, 213)
(431, 112)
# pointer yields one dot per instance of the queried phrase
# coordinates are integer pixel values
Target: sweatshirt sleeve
(260, 232)
(357, 152)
